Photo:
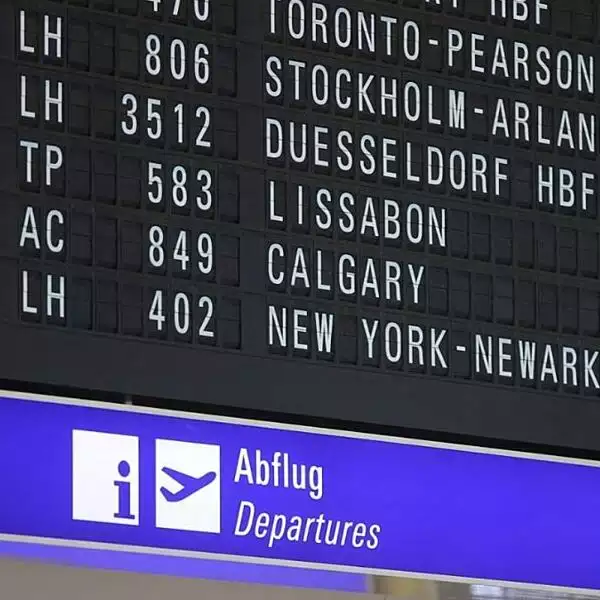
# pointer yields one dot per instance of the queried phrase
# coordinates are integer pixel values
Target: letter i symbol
(124, 493)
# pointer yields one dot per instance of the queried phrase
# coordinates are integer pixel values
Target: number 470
(201, 8)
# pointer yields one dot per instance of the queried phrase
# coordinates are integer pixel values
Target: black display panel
(375, 211)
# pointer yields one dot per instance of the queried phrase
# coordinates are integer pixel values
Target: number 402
(182, 315)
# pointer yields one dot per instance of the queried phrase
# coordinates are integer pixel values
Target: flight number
(150, 118)
(183, 319)
(177, 58)
(178, 184)
(202, 262)
(201, 8)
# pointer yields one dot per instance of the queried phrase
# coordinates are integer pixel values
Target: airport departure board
(376, 211)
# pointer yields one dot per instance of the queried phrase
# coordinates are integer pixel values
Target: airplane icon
(189, 485)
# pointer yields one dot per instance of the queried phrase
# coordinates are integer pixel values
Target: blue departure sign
(189, 485)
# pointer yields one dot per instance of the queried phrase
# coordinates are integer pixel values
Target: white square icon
(188, 486)
(106, 477)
